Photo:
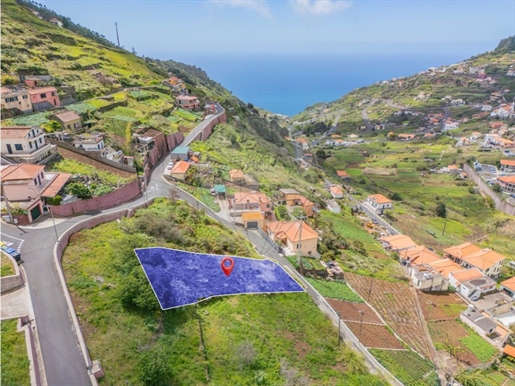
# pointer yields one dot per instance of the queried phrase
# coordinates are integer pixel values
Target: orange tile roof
(509, 350)
(291, 229)
(56, 185)
(420, 255)
(462, 250)
(467, 274)
(336, 190)
(380, 199)
(15, 131)
(21, 172)
(67, 116)
(180, 167)
(252, 198)
(399, 241)
(342, 173)
(446, 266)
(509, 162)
(507, 180)
(236, 173)
(509, 283)
(484, 258)
(302, 140)
(304, 201)
(250, 216)
(452, 167)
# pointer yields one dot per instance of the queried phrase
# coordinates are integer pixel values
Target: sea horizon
(289, 83)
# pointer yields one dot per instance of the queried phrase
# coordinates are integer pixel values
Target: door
(35, 212)
(252, 224)
(9, 149)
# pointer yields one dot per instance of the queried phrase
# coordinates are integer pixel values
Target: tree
(79, 190)
(51, 126)
(497, 188)
(441, 210)
(321, 154)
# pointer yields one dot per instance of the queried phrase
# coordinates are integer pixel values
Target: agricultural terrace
(486, 377)
(6, 265)
(334, 290)
(402, 169)
(245, 339)
(407, 366)
(14, 362)
(397, 305)
(441, 306)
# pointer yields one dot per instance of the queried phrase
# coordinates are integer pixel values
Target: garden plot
(440, 306)
(352, 311)
(181, 278)
(447, 336)
(397, 305)
(374, 335)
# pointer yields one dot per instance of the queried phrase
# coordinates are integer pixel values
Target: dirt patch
(76, 237)
(440, 306)
(379, 255)
(374, 335)
(302, 348)
(351, 311)
(380, 171)
(447, 334)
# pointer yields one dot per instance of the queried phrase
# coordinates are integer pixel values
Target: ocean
(288, 83)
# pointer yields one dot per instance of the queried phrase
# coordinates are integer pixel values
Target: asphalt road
(193, 134)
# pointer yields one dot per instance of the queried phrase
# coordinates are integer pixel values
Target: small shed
(220, 189)
(253, 220)
(180, 152)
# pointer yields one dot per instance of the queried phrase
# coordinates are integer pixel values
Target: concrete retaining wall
(109, 200)
(9, 283)
(500, 204)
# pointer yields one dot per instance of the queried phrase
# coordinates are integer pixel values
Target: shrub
(79, 190)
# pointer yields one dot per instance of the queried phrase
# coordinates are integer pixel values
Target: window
(25, 96)
(30, 144)
(35, 181)
(41, 140)
(43, 95)
(53, 93)
(18, 146)
(39, 179)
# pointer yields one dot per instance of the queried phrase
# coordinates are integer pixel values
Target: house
(25, 144)
(180, 152)
(486, 108)
(451, 169)
(16, 99)
(91, 142)
(176, 84)
(247, 201)
(397, 243)
(468, 255)
(479, 322)
(498, 305)
(503, 112)
(303, 143)
(446, 267)
(179, 170)
(463, 141)
(344, 176)
(471, 283)
(508, 165)
(44, 98)
(333, 206)
(187, 102)
(511, 72)
(509, 350)
(69, 120)
(426, 278)
(475, 136)
(406, 137)
(25, 185)
(419, 255)
(290, 197)
(296, 236)
(237, 176)
(508, 286)
(379, 202)
(449, 124)
(336, 191)
(253, 220)
(56, 22)
(496, 125)
(33, 81)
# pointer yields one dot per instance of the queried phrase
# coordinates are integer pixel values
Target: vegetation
(335, 290)
(6, 265)
(267, 339)
(14, 362)
(483, 350)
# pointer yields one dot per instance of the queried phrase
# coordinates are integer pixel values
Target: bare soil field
(440, 306)
(374, 335)
(351, 311)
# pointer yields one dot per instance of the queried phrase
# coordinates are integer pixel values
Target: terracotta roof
(304, 201)
(250, 216)
(291, 229)
(446, 266)
(484, 258)
(21, 172)
(336, 190)
(420, 255)
(236, 173)
(509, 162)
(42, 90)
(342, 173)
(380, 199)
(15, 131)
(467, 274)
(302, 140)
(509, 350)
(453, 167)
(509, 283)
(252, 198)
(56, 185)
(399, 241)
(68, 116)
(180, 167)
(462, 250)
(507, 180)
(186, 98)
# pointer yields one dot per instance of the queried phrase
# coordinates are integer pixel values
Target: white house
(333, 206)
(503, 112)
(471, 282)
(93, 142)
(486, 108)
(336, 191)
(379, 202)
(25, 144)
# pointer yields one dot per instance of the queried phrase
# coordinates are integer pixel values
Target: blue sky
(162, 28)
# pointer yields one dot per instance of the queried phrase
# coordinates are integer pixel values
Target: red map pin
(227, 268)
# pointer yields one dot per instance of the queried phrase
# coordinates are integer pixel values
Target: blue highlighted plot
(180, 278)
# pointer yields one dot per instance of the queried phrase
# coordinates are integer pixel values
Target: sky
(166, 28)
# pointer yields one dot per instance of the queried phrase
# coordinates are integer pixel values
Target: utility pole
(117, 37)
(8, 206)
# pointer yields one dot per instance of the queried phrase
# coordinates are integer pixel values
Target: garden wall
(109, 200)
(204, 134)
(500, 204)
(8, 283)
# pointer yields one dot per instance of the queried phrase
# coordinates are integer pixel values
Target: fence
(109, 200)
(500, 204)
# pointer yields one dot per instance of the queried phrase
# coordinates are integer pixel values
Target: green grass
(7, 267)
(407, 366)
(483, 350)
(335, 290)
(201, 194)
(14, 360)
(36, 119)
(187, 115)
(101, 268)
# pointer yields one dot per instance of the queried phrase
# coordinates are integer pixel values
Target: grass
(335, 290)
(202, 194)
(14, 361)
(407, 366)
(244, 338)
(7, 267)
(187, 115)
(483, 350)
